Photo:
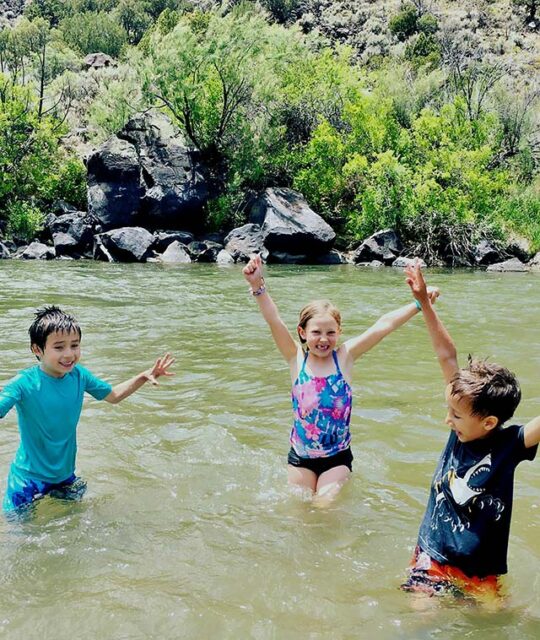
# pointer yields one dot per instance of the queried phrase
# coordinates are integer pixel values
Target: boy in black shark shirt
(463, 539)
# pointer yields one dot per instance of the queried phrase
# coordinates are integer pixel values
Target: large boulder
(98, 61)
(485, 253)
(289, 225)
(115, 190)
(129, 244)
(243, 241)
(383, 245)
(204, 250)
(4, 251)
(514, 264)
(71, 232)
(37, 251)
(162, 239)
(175, 253)
(224, 258)
(147, 175)
(534, 264)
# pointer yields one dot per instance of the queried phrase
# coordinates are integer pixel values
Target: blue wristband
(418, 305)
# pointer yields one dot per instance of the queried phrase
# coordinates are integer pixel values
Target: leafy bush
(283, 11)
(424, 50)
(25, 220)
(427, 24)
(92, 32)
(405, 23)
(33, 169)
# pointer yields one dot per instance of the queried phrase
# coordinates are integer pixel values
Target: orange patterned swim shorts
(429, 576)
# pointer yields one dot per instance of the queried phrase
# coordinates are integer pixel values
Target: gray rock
(485, 253)
(224, 258)
(384, 246)
(175, 253)
(519, 247)
(534, 264)
(281, 257)
(146, 175)
(4, 252)
(244, 241)
(332, 257)
(509, 265)
(114, 184)
(402, 262)
(64, 244)
(204, 250)
(162, 239)
(74, 225)
(174, 180)
(374, 264)
(38, 251)
(98, 61)
(289, 225)
(129, 244)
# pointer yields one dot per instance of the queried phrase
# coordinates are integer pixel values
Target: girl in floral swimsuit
(320, 457)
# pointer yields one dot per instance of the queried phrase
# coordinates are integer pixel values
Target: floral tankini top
(322, 412)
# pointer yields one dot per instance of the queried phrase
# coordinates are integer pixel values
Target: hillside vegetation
(421, 116)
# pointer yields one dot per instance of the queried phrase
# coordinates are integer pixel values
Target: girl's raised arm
(355, 347)
(283, 339)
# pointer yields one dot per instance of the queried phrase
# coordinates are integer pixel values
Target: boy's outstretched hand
(160, 368)
(253, 271)
(415, 280)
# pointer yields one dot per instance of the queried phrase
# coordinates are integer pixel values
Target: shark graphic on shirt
(465, 491)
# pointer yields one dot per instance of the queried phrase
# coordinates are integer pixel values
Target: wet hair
(50, 320)
(491, 390)
(317, 308)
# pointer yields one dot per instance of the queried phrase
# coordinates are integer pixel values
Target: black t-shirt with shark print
(467, 520)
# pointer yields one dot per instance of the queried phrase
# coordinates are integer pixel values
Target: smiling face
(61, 353)
(468, 427)
(321, 334)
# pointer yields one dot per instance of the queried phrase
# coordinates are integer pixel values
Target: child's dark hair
(492, 390)
(47, 321)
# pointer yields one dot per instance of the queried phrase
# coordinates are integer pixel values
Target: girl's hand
(433, 294)
(253, 272)
(160, 368)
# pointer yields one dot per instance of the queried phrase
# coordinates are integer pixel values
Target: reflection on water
(188, 528)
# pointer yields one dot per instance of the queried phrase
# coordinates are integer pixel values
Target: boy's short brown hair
(492, 390)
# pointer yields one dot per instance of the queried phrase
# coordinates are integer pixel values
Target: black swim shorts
(320, 465)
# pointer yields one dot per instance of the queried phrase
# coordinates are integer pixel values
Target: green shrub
(94, 32)
(427, 24)
(405, 23)
(66, 181)
(425, 49)
(25, 220)
(282, 11)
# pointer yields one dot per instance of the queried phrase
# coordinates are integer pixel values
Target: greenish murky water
(188, 529)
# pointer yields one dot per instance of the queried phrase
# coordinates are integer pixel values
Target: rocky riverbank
(146, 196)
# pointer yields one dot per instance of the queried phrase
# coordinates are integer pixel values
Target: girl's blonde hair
(317, 308)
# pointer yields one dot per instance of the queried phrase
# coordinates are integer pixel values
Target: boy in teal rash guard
(48, 398)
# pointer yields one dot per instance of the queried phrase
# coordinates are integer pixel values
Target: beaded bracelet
(259, 291)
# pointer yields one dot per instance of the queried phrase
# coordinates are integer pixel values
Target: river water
(188, 529)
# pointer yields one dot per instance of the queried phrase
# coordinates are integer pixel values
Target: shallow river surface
(188, 528)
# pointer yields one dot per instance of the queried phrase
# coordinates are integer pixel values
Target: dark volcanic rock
(129, 244)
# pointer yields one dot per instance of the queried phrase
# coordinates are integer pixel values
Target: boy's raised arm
(532, 432)
(283, 339)
(440, 338)
(125, 389)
